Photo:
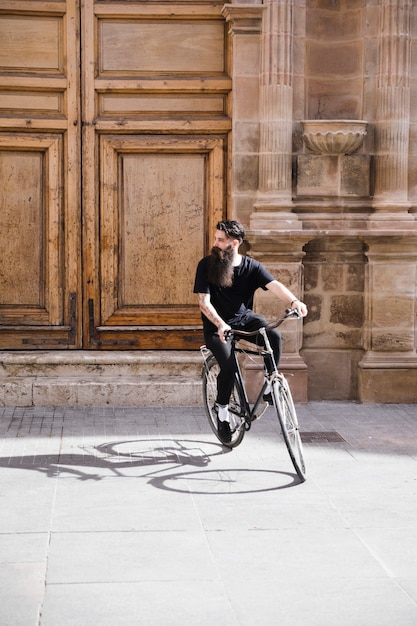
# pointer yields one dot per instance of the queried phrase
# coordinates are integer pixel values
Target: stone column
(393, 113)
(244, 30)
(273, 208)
(388, 369)
(282, 253)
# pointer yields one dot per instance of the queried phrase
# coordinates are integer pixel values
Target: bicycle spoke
(287, 417)
(210, 373)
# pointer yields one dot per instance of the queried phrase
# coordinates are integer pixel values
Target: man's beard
(221, 270)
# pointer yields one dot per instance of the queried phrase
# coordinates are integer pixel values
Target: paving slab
(137, 515)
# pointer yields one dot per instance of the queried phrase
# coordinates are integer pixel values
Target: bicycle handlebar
(294, 313)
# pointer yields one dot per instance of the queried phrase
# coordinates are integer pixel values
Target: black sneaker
(223, 428)
(267, 397)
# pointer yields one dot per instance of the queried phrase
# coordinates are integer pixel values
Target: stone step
(118, 378)
(84, 378)
(115, 363)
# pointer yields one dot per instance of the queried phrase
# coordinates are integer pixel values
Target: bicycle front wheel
(237, 424)
(287, 417)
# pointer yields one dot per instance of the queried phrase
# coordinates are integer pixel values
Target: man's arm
(210, 312)
(287, 296)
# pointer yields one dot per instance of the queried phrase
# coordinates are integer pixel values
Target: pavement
(138, 516)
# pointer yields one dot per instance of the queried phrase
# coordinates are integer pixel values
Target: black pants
(225, 358)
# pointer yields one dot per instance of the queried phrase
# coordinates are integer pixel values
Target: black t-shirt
(232, 303)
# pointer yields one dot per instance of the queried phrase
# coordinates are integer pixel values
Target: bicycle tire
(287, 417)
(209, 375)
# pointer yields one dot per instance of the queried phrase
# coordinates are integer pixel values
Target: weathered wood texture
(139, 177)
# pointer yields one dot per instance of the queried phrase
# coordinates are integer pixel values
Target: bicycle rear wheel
(237, 423)
(287, 417)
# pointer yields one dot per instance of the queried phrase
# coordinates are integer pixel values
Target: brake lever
(296, 312)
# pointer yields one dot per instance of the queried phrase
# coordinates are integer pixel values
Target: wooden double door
(114, 128)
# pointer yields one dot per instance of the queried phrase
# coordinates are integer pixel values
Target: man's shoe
(223, 428)
(267, 397)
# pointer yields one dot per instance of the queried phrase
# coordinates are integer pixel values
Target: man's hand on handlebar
(223, 331)
(293, 312)
(300, 307)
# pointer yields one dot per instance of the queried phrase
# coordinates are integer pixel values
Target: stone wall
(342, 219)
(335, 39)
(334, 270)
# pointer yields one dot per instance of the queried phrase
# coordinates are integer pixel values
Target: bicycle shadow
(157, 461)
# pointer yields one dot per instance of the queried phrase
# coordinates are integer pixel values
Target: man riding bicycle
(226, 282)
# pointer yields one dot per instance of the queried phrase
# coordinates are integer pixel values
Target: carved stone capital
(243, 18)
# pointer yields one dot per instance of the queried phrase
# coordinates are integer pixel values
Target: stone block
(391, 311)
(246, 98)
(348, 337)
(355, 277)
(347, 310)
(337, 99)
(311, 276)
(328, 175)
(172, 391)
(286, 274)
(388, 385)
(393, 277)
(332, 277)
(333, 59)
(243, 206)
(246, 57)
(317, 175)
(355, 175)
(246, 137)
(67, 378)
(314, 304)
(331, 374)
(337, 26)
(393, 340)
(322, 335)
(16, 392)
(246, 168)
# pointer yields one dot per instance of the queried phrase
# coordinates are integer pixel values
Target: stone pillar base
(388, 378)
(264, 221)
(393, 219)
(293, 368)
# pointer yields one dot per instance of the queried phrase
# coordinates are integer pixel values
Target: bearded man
(226, 282)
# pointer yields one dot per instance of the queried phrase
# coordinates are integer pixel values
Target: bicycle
(242, 414)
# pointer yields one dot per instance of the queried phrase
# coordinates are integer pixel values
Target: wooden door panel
(161, 237)
(133, 46)
(31, 42)
(154, 219)
(39, 175)
(151, 148)
(155, 133)
(156, 211)
(30, 216)
(21, 210)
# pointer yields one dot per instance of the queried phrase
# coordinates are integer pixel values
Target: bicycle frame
(249, 413)
(241, 412)
(268, 356)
